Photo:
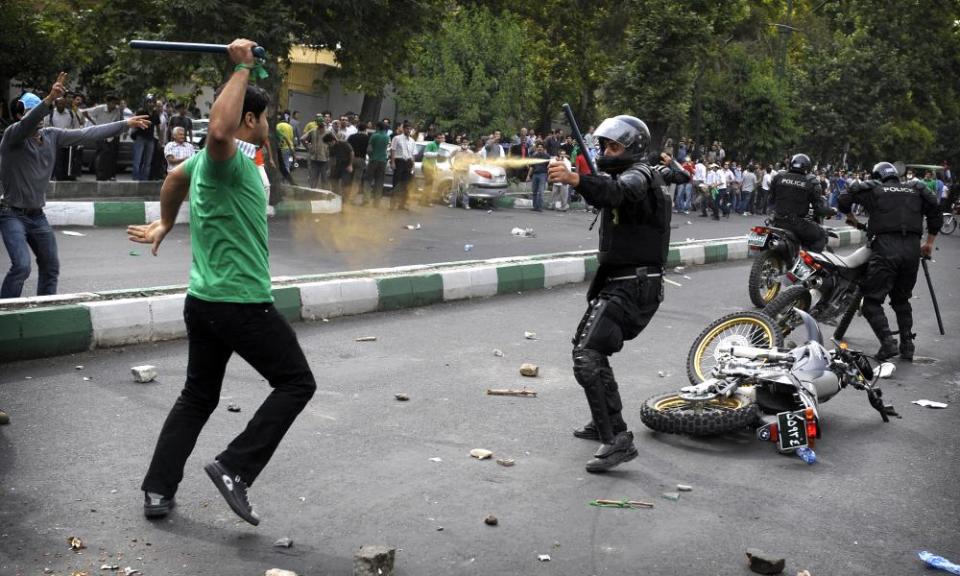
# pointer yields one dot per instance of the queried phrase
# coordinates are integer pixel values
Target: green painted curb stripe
(288, 207)
(505, 202)
(846, 237)
(519, 277)
(44, 332)
(715, 253)
(673, 257)
(406, 291)
(590, 267)
(287, 302)
(119, 213)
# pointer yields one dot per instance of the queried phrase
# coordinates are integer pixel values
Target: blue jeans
(142, 158)
(21, 234)
(744, 205)
(684, 193)
(539, 183)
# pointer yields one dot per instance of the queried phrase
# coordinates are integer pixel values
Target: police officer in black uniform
(896, 214)
(628, 288)
(792, 194)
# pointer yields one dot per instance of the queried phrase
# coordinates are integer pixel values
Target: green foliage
(472, 75)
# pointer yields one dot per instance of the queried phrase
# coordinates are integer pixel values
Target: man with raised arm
(229, 306)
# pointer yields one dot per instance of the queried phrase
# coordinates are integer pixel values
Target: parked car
(444, 180)
(200, 132)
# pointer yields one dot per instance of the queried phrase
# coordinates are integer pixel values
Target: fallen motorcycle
(778, 391)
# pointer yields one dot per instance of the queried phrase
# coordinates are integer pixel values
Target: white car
(200, 131)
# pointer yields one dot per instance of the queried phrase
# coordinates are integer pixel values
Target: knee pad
(588, 367)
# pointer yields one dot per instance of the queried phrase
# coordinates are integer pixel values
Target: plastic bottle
(934, 561)
(807, 455)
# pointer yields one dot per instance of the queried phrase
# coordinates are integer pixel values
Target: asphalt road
(358, 239)
(356, 466)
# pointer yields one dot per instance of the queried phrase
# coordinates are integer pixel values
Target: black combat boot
(613, 454)
(906, 346)
(888, 349)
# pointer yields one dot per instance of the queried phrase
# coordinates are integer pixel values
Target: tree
(465, 78)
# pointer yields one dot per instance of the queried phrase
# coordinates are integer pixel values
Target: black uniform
(791, 196)
(896, 222)
(628, 287)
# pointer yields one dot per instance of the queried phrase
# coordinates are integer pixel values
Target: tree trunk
(370, 109)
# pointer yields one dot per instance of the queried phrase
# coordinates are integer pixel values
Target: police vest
(897, 208)
(637, 234)
(792, 194)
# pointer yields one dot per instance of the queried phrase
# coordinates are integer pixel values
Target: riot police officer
(897, 211)
(628, 287)
(792, 194)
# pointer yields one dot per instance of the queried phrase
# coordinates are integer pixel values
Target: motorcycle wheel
(672, 414)
(781, 308)
(739, 328)
(764, 283)
(949, 224)
(846, 319)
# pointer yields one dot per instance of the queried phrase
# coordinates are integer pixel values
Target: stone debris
(279, 572)
(524, 232)
(481, 453)
(506, 462)
(530, 335)
(674, 496)
(233, 407)
(128, 571)
(543, 557)
(498, 352)
(72, 233)
(283, 543)
(374, 561)
(76, 543)
(763, 563)
(679, 269)
(436, 459)
(367, 339)
(508, 392)
(111, 567)
(529, 370)
(401, 397)
(684, 488)
(413, 227)
(929, 403)
(144, 374)
(87, 378)
(662, 374)
(467, 247)
(491, 520)
(79, 367)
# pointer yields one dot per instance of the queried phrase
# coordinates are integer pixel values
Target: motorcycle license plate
(792, 430)
(758, 240)
(800, 270)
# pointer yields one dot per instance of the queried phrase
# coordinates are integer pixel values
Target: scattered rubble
(436, 459)
(684, 488)
(543, 557)
(76, 543)
(491, 520)
(481, 453)
(498, 352)
(283, 543)
(505, 462)
(929, 403)
(401, 397)
(529, 370)
(279, 572)
(509, 392)
(72, 233)
(530, 335)
(763, 563)
(367, 339)
(467, 247)
(524, 232)
(144, 374)
(673, 496)
(374, 561)
(233, 407)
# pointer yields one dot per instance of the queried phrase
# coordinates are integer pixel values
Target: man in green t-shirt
(377, 151)
(229, 306)
(430, 154)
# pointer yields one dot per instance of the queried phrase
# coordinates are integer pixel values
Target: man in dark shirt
(341, 165)
(359, 142)
(538, 172)
(181, 119)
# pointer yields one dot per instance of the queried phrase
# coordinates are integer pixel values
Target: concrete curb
(52, 325)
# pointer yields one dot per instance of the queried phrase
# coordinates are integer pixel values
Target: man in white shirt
(62, 116)
(347, 127)
(402, 150)
(178, 150)
(699, 186)
(714, 179)
(723, 189)
(765, 190)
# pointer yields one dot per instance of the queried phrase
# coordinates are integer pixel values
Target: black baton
(933, 296)
(579, 138)
(258, 51)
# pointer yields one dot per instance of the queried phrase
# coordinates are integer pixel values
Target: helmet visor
(616, 130)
